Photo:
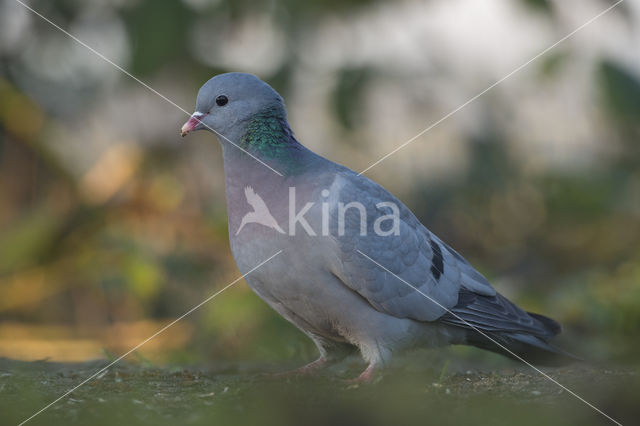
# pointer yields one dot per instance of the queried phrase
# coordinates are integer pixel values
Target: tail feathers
(518, 346)
(496, 324)
(551, 325)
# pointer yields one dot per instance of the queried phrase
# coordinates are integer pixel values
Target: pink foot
(365, 377)
(310, 368)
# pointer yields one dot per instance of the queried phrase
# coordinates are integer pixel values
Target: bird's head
(229, 100)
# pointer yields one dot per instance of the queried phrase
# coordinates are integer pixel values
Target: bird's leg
(310, 368)
(314, 365)
(330, 353)
(366, 376)
(376, 354)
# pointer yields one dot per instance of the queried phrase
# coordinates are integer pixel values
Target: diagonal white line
(492, 86)
(148, 338)
(494, 341)
(104, 58)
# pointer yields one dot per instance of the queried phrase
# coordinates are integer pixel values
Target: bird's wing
(254, 200)
(415, 256)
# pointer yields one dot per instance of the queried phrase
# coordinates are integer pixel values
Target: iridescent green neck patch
(268, 136)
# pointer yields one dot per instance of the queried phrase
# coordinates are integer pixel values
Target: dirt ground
(131, 393)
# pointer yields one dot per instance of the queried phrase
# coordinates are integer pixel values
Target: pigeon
(358, 271)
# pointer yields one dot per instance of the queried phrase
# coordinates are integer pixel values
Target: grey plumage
(322, 283)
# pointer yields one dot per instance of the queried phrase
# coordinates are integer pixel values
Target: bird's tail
(521, 347)
(496, 324)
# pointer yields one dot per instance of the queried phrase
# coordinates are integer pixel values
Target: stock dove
(357, 268)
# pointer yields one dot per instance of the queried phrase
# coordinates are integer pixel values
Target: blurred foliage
(347, 96)
(135, 229)
(621, 97)
(155, 47)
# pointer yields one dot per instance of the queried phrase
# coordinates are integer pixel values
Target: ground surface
(138, 395)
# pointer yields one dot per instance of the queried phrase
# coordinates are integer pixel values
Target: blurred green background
(111, 225)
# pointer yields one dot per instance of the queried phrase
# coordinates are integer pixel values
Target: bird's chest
(290, 282)
(282, 218)
(284, 270)
(270, 214)
(256, 209)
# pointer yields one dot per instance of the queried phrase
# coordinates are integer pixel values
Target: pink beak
(194, 123)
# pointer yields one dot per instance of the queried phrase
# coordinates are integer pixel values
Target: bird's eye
(221, 100)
